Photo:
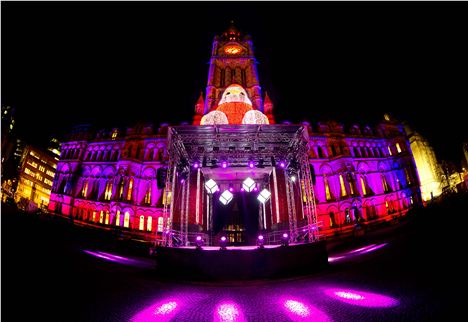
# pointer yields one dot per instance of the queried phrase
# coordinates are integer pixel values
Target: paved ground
(410, 272)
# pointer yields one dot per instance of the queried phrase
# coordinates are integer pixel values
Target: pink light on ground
(300, 311)
(228, 311)
(166, 308)
(361, 298)
(297, 307)
(110, 257)
(160, 311)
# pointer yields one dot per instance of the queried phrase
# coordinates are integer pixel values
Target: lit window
(385, 185)
(342, 186)
(149, 223)
(167, 197)
(48, 182)
(101, 217)
(114, 135)
(142, 223)
(127, 219)
(148, 195)
(94, 216)
(117, 218)
(363, 187)
(130, 189)
(160, 224)
(108, 191)
(328, 194)
(41, 168)
(54, 166)
(85, 189)
(32, 163)
(50, 173)
(38, 176)
(107, 218)
(398, 147)
(389, 150)
(27, 171)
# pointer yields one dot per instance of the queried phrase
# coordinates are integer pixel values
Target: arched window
(398, 147)
(160, 224)
(342, 187)
(328, 195)
(332, 219)
(333, 150)
(101, 217)
(385, 185)
(142, 223)
(94, 216)
(127, 220)
(408, 177)
(363, 187)
(130, 189)
(147, 200)
(149, 223)
(84, 191)
(108, 191)
(107, 218)
(117, 218)
(389, 150)
(348, 219)
(320, 152)
(121, 188)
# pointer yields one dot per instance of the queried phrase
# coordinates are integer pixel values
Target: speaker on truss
(312, 174)
(161, 177)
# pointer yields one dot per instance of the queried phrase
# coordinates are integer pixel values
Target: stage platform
(240, 263)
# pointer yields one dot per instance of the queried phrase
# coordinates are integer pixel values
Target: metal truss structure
(239, 145)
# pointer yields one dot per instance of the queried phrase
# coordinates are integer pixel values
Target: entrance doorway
(238, 220)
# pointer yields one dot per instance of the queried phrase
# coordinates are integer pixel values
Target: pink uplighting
(228, 311)
(251, 165)
(231, 189)
(282, 165)
(111, 257)
(300, 311)
(196, 165)
(166, 308)
(361, 298)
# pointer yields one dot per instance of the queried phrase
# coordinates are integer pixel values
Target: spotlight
(226, 197)
(222, 243)
(182, 180)
(199, 242)
(251, 164)
(260, 241)
(248, 184)
(282, 164)
(196, 165)
(285, 240)
(264, 196)
(293, 178)
(211, 186)
(224, 164)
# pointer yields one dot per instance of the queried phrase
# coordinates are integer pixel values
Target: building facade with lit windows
(35, 180)
(325, 177)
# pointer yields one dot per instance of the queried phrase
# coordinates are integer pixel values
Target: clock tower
(232, 62)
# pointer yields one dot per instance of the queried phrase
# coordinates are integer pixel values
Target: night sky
(112, 64)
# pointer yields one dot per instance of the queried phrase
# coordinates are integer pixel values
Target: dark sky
(112, 64)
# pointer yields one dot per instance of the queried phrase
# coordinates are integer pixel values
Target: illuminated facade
(428, 168)
(36, 175)
(350, 175)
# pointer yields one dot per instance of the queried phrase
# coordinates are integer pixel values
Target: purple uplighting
(260, 237)
(231, 189)
(182, 181)
(285, 235)
(161, 311)
(299, 311)
(251, 164)
(361, 298)
(223, 239)
(224, 165)
(196, 165)
(199, 238)
(228, 311)
(355, 252)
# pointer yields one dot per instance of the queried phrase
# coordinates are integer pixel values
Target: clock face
(232, 50)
